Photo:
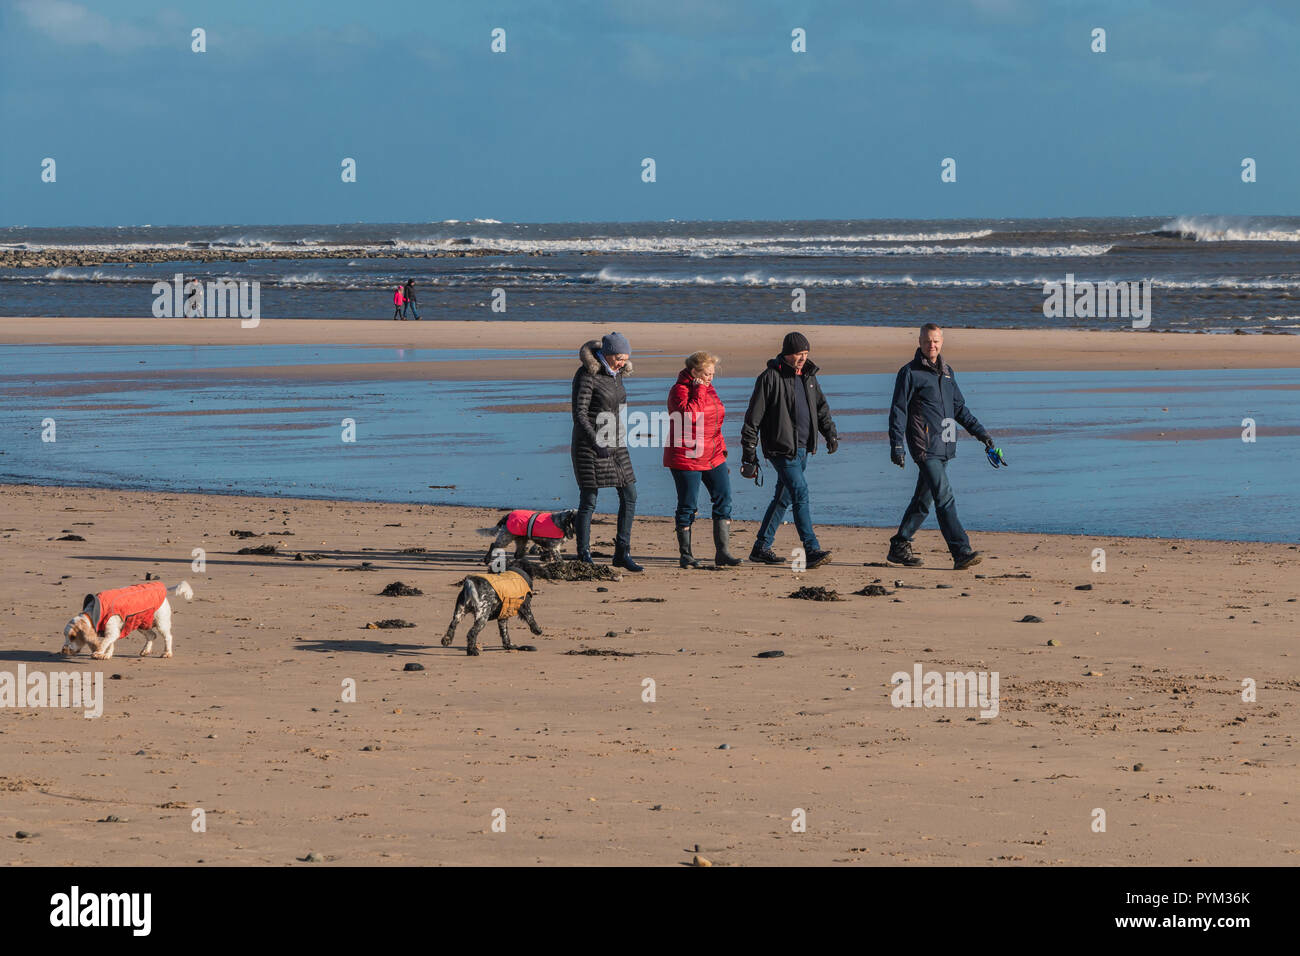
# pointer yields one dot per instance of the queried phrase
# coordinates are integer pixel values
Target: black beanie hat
(794, 342)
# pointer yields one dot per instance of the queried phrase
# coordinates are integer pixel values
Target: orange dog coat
(135, 605)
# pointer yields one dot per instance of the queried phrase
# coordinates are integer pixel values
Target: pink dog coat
(533, 524)
(135, 605)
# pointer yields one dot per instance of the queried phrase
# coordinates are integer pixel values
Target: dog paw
(167, 653)
(536, 630)
(99, 656)
(446, 642)
(471, 652)
(66, 651)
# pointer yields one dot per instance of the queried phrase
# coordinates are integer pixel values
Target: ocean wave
(1221, 229)
(758, 278)
(1042, 252)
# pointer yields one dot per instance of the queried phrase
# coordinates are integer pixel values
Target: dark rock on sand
(572, 571)
(413, 666)
(389, 624)
(816, 594)
(398, 589)
(770, 654)
(260, 549)
(72, 537)
(1030, 619)
(874, 590)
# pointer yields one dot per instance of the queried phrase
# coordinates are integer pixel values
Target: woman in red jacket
(697, 452)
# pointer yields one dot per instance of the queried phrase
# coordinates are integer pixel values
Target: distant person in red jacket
(399, 300)
(697, 452)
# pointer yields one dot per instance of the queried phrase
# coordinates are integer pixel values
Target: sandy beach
(1137, 710)
(658, 347)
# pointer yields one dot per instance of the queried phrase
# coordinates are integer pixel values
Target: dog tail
(492, 531)
(182, 590)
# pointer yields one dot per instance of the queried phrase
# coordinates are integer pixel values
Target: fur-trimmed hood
(587, 355)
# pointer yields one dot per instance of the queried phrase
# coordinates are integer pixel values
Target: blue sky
(254, 130)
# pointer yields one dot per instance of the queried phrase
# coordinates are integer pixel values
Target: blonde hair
(697, 360)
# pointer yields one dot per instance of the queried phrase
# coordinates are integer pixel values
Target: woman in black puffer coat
(599, 448)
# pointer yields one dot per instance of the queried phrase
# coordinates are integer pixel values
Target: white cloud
(77, 25)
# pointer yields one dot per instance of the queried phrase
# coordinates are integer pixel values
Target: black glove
(748, 463)
(988, 441)
(897, 457)
(832, 444)
(603, 452)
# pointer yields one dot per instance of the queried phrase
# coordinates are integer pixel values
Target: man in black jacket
(927, 408)
(786, 411)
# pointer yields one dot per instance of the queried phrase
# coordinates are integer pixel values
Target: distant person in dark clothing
(786, 411)
(927, 408)
(408, 293)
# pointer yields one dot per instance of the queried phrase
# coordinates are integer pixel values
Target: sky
(145, 131)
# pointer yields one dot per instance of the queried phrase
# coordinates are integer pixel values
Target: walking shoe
(763, 555)
(967, 560)
(816, 558)
(900, 552)
(624, 560)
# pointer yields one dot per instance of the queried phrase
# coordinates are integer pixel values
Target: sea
(1206, 273)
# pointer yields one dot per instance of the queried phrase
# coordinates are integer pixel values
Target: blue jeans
(688, 492)
(626, 512)
(791, 490)
(411, 306)
(932, 487)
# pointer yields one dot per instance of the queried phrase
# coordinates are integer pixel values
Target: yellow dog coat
(511, 588)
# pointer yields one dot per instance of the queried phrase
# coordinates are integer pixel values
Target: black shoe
(970, 559)
(723, 557)
(763, 555)
(685, 558)
(816, 558)
(900, 552)
(584, 557)
(624, 560)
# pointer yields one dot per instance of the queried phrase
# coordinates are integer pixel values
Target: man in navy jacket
(927, 408)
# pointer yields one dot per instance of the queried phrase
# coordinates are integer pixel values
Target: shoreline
(657, 347)
(608, 503)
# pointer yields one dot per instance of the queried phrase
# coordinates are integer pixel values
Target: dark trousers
(688, 492)
(626, 512)
(932, 487)
(409, 305)
(791, 492)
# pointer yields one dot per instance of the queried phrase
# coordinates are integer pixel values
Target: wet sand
(657, 347)
(1137, 711)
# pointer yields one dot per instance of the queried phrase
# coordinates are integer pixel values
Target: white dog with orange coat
(109, 616)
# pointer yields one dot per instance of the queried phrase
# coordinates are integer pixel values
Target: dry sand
(658, 347)
(246, 720)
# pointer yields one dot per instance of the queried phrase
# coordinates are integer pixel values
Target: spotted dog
(546, 529)
(493, 597)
